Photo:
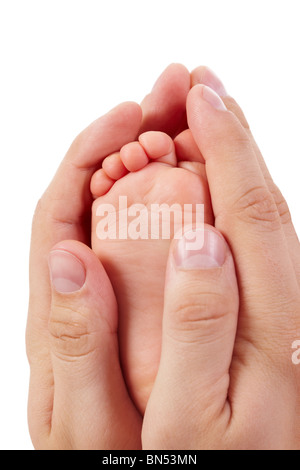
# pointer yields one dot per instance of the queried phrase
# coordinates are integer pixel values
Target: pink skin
(151, 146)
(136, 268)
(61, 215)
(113, 166)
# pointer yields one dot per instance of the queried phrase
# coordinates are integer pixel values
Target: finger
(204, 75)
(282, 206)
(199, 328)
(91, 404)
(61, 214)
(66, 205)
(245, 211)
(68, 197)
(164, 109)
(62, 211)
(186, 148)
(283, 211)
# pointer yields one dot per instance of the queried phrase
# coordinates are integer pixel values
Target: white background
(63, 63)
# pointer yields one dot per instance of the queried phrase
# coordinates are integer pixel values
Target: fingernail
(211, 80)
(200, 249)
(67, 273)
(213, 98)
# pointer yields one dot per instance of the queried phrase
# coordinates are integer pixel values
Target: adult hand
(77, 396)
(226, 378)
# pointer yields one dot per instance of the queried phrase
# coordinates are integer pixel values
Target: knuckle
(43, 211)
(38, 207)
(234, 107)
(238, 138)
(257, 206)
(239, 141)
(282, 206)
(70, 333)
(207, 313)
(39, 210)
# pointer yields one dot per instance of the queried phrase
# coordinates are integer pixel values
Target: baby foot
(143, 175)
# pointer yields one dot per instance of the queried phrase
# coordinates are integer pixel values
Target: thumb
(199, 328)
(90, 397)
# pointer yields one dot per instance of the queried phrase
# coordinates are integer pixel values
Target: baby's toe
(114, 167)
(101, 183)
(133, 156)
(186, 148)
(159, 147)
